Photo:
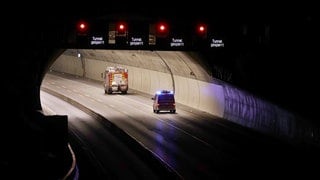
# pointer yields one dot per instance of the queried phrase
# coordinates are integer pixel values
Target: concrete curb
(73, 172)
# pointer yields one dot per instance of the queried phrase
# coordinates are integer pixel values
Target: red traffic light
(82, 27)
(122, 27)
(202, 29)
(162, 29)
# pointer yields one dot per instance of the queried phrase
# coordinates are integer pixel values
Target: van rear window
(166, 98)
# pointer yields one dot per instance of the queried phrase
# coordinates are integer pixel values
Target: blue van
(164, 101)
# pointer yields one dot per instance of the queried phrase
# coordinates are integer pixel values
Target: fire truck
(115, 80)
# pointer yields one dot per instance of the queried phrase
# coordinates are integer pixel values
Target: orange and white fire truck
(116, 80)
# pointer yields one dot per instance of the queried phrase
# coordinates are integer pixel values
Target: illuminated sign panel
(97, 40)
(177, 42)
(216, 43)
(139, 34)
(111, 37)
(136, 41)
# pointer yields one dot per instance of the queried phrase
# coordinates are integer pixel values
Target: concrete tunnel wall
(148, 72)
(198, 94)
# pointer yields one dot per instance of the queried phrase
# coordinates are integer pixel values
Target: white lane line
(204, 142)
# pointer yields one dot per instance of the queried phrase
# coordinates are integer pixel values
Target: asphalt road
(191, 143)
